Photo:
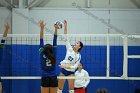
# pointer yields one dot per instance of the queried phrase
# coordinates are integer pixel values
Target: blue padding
(23, 60)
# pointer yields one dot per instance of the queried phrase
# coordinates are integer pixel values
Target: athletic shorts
(65, 72)
(79, 90)
(0, 79)
(49, 81)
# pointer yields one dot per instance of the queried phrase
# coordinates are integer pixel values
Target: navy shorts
(49, 81)
(65, 72)
(0, 79)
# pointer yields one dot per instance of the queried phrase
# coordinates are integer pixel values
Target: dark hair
(101, 90)
(81, 46)
(48, 51)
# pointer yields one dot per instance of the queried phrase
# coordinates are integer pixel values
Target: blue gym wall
(25, 62)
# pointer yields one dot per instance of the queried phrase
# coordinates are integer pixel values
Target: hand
(7, 26)
(61, 66)
(42, 25)
(56, 26)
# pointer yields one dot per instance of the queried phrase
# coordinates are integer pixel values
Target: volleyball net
(104, 56)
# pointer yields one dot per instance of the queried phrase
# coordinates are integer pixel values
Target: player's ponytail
(48, 49)
(81, 46)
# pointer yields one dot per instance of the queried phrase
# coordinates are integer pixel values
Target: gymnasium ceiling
(119, 4)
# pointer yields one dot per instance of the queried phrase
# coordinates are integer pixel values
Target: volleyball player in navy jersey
(49, 82)
(2, 45)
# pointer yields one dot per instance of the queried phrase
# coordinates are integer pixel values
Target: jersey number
(70, 58)
(48, 62)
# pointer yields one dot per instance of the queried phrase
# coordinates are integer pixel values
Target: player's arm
(68, 46)
(55, 39)
(42, 25)
(65, 27)
(76, 63)
(7, 27)
(71, 67)
(87, 80)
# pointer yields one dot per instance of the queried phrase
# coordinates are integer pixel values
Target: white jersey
(78, 83)
(72, 59)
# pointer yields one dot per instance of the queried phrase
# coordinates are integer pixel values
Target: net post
(125, 56)
(108, 58)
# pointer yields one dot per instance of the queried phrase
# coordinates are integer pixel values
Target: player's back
(48, 69)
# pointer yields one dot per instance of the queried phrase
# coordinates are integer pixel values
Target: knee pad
(71, 91)
(59, 91)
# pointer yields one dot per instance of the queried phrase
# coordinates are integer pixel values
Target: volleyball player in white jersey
(70, 63)
(2, 45)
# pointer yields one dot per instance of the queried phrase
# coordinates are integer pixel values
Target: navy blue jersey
(1, 49)
(48, 69)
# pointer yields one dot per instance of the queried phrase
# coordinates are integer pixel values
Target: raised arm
(65, 27)
(42, 25)
(2, 43)
(55, 35)
(7, 27)
(68, 46)
(55, 39)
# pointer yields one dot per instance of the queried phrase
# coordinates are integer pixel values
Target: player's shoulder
(83, 70)
(78, 54)
(76, 72)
